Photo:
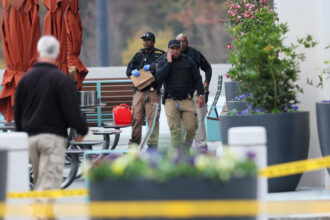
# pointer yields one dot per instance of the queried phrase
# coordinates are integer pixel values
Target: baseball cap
(173, 43)
(149, 36)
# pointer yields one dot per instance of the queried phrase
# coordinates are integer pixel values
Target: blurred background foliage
(134, 44)
(129, 18)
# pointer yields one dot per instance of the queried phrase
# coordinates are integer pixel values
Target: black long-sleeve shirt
(181, 77)
(200, 61)
(46, 102)
(142, 58)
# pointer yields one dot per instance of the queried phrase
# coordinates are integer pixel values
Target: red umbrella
(54, 24)
(74, 41)
(20, 30)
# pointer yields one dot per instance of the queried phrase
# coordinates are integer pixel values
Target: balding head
(183, 41)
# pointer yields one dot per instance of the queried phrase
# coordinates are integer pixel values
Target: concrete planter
(287, 140)
(239, 106)
(176, 189)
(3, 173)
(323, 127)
(232, 90)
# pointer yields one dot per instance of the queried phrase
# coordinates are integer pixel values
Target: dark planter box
(287, 141)
(232, 90)
(176, 189)
(3, 173)
(323, 127)
(239, 106)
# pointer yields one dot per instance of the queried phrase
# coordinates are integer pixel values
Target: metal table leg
(106, 138)
(115, 142)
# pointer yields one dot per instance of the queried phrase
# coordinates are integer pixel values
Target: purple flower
(242, 97)
(153, 164)
(191, 161)
(244, 112)
(251, 155)
(259, 109)
(291, 107)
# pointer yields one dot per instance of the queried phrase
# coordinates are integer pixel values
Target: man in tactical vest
(143, 99)
(202, 63)
(181, 78)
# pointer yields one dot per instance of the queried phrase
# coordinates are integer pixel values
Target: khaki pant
(185, 111)
(140, 111)
(200, 137)
(47, 154)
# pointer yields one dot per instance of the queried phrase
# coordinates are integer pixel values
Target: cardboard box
(144, 80)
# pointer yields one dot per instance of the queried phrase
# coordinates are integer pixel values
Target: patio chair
(212, 120)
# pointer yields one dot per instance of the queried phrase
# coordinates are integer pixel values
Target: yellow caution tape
(173, 209)
(167, 209)
(48, 194)
(292, 168)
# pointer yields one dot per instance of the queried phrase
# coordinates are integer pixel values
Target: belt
(188, 96)
(151, 89)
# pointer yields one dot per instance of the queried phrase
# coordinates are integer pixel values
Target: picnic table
(117, 127)
(106, 132)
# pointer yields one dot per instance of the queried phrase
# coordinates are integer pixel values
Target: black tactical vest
(180, 81)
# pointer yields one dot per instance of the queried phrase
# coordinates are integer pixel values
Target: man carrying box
(144, 98)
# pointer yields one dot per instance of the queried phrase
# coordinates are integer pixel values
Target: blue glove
(146, 67)
(135, 73)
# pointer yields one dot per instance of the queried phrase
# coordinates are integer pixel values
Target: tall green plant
(267, 68)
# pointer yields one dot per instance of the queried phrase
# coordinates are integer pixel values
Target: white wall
(309, 17)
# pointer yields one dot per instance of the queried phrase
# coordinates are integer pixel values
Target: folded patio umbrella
(20, 30)
(54, 24)
(74, 41)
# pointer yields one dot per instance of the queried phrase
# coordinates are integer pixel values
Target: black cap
(149, 36)
(173, 43)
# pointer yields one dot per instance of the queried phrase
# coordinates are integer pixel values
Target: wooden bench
(112, 92)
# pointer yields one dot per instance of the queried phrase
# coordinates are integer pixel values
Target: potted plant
(240, 12)
(268, 70)
(239, 103)
(173, 176)
(323, 112)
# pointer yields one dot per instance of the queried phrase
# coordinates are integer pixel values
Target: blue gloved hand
(135, 73)
(146, 67)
